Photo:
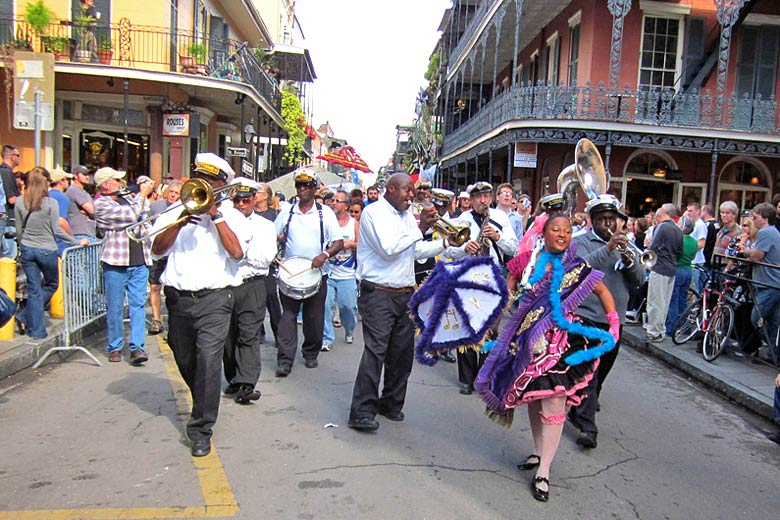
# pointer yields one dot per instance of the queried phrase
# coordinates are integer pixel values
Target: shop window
(647, 164)
(101, 114)
(744, 183)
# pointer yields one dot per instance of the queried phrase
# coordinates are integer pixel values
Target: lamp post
(249, 138)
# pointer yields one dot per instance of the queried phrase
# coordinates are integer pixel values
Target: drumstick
(298, 273)
(281, 264)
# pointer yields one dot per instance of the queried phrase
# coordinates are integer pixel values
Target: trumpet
(631, 254)
(459, 234)
(197, 197)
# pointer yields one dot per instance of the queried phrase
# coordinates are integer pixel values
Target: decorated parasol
(457, 305)
(346, 156)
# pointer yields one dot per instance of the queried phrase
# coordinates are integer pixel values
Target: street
(82, 441)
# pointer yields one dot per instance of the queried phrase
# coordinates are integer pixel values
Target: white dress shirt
(507, 242)
(389, 243)
(261, 250)
(197, 260)
(303, 236)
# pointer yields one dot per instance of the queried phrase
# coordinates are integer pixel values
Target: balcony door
(757, 67)
(103, 8)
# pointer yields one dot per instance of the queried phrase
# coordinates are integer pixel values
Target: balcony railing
(650, 107)
(470, 29)
(147, 48)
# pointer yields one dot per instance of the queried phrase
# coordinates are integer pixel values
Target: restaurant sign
(176, 125)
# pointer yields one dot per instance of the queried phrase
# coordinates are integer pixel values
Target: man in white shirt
(242, 348)
(390, 241)
(491, 235)
(199, 279)
(306, 230)
(505, 196)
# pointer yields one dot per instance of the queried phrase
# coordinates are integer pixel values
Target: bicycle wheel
(687, 324)
(718, 332)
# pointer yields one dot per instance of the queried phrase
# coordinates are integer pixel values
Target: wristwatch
(217, 216)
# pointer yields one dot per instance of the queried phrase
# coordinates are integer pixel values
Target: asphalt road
(81, 441)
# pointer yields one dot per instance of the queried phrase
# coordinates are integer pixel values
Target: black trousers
(388, 336)
(469, 363)
(272, 305)
(242, 347)
(198, 326)
(313, 323)
(585, 413)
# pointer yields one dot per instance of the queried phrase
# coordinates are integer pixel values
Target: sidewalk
(739, 379)
(748, 383)
(22, 351)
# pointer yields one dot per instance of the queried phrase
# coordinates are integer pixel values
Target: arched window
(744, 180)
(644, 176)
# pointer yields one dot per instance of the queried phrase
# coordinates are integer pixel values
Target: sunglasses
(309, 185)
(354, 212)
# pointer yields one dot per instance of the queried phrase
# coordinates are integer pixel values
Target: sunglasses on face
(308, 185)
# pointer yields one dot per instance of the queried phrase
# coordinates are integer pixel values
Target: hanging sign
(525, 155)
(176, 125)
(33, 72)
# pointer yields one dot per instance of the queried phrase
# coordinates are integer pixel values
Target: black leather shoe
(363, 424)
(448, 357)
(393, 416)
(774, 437)
(283, 370)
(232, 389)
(311, 363)
(531, 462)
(467, 390)
(201, 447)
(247, 393)
(540, 494)
(587, 440)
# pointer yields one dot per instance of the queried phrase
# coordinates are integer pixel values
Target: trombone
(197, 197)
(458, 233)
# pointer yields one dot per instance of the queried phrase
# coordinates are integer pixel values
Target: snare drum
(297, 279)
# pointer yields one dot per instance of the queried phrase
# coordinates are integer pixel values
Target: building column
(498, 23)
(728, 13)
(713, 174)
(155, 143)
(518, 15)
(619, 9)
(510, 161)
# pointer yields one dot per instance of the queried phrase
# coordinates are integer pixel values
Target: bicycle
(692, 321)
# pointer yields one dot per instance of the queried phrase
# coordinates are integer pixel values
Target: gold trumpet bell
(457, 233)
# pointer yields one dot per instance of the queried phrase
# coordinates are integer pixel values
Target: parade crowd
(328, 258)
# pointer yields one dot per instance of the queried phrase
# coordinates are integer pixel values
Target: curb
(705, 373)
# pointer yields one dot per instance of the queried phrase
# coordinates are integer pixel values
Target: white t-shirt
(699, 233)
(303, 236)
(343, 264)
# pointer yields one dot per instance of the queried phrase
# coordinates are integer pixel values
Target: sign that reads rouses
(176, 125)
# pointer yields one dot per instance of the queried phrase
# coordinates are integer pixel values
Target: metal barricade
(84, 296)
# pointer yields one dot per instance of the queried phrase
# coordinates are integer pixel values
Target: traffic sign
(237, 152)
(246, 167)
(33, 71)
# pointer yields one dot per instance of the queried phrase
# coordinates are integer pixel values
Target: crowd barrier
(83, 294)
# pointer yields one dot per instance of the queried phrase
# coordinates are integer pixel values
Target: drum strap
(283, 248)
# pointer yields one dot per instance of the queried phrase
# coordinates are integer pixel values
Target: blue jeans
(679, 301)
(118, 281)
(768, 302)
(777, 405)
(344, 294)
(37, 262)
(8, 249)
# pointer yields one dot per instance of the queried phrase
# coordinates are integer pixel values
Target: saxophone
(483, 241)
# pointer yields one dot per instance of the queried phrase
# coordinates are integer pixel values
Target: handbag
(7, 307)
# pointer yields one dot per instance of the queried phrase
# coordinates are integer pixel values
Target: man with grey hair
(667, 245)
(728, 228)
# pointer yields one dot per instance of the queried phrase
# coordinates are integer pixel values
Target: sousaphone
(587, 173)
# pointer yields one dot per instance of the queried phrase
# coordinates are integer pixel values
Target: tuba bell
(587, 173)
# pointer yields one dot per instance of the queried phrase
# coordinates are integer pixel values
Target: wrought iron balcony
(147, 48)
(471, 28)
(648, 107)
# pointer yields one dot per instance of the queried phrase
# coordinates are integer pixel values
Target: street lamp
(249, 138)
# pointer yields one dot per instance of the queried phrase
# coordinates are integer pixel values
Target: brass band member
(198, 282)
(492, 235)
(242, 348)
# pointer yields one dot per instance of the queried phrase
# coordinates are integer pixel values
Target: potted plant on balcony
(39, 16)
(104, 50)
(57, 45)
(85, 36)
(198, 51)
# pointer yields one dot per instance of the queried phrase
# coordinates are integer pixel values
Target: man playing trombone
(201, 272)
(605, 248)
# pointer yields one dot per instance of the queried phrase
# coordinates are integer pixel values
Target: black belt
(255, 277)
(384, 288)
(195, 294)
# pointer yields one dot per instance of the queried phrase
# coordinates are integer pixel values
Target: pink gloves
(614, 324)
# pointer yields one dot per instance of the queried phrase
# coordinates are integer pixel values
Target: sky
(369, 57)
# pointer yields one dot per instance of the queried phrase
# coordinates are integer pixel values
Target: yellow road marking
(217, 493)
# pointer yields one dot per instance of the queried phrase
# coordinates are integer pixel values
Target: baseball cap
(58, 174)
(142, 179)
(80, 169)
(107, 173)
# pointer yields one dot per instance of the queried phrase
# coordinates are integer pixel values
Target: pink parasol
(348, 157)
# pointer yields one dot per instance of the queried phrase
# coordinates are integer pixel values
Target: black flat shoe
(540, 494)
(525, 466)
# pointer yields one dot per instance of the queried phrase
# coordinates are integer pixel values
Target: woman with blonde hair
(37, 225)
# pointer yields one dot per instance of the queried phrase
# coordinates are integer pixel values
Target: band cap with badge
(212, 164)
(306, 176)
(441, 197)
(247, 188)
(480, 187)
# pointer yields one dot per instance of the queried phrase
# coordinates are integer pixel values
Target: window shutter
(694, 49)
